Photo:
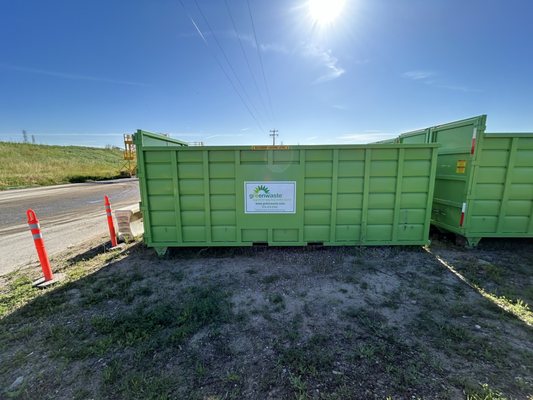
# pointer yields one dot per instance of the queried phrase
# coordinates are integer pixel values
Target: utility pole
(274, 134)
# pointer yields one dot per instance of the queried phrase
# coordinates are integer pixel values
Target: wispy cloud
(324, 56)
(310, 138)
(365, 137)
(339, 107)
(224, 136)
(432, 78)
(66, 75)
(458, 88)
(264, 47)
(272, 47)
(333, 70)
(418, 75)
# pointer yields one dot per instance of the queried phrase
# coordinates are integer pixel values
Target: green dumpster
(484, 182)
(377, 194)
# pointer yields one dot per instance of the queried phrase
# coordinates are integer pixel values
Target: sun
(325, 12)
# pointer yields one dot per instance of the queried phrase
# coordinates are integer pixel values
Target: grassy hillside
(24, 164)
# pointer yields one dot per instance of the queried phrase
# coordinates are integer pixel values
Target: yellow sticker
(460, 167)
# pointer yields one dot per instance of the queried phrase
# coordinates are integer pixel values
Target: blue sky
(84, 72)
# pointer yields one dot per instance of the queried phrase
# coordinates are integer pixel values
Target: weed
(233, 377)
(199, 368)
(299, 386)
(112, 372)
(351, 279)
(484, 392)
(391, 303)
(367, 320)
(277, 300)
(177, 275)
(271, 279)
(308, 359)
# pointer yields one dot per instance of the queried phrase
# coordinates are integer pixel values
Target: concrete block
(129, 221)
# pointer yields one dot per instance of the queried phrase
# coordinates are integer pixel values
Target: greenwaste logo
(261, 188)
(263, 192)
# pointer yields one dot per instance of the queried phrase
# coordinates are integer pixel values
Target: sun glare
(325, 12)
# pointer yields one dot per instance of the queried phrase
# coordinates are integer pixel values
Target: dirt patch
(271, 323)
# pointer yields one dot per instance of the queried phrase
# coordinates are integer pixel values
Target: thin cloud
(186, 134)
(245, 38)
(65, 75)
(329, 61)
(273, 47)
(339, 107)
(431, 78)
(365, 137)
(418, 75)
(229, 135)
(264, 47)
(458, 88)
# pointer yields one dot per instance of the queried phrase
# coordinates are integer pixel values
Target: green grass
(38, 165)
(18, 292)
(126, 339)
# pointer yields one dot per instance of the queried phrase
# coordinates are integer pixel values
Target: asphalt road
(68, 214)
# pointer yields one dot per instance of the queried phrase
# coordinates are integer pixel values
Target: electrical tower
(274, 133)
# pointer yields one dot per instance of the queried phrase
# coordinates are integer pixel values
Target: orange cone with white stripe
(110, 222)
(35, 228)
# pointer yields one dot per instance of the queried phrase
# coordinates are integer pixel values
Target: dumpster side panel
(332, 195)
(415, 137)
(502, 192)
(451, 201)
(367, 196)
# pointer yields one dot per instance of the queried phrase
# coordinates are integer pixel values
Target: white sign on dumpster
(270, 197)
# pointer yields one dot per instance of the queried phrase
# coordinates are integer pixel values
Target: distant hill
(24, 164)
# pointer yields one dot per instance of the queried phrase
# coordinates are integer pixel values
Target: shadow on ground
(269, 323)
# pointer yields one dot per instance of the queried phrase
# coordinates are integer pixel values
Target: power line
(245, 56)
(274, 133)
(222, 68)
(260, 59)
(226, 58)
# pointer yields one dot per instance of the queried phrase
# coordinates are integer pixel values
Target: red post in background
(110, 222)
(35, 228)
